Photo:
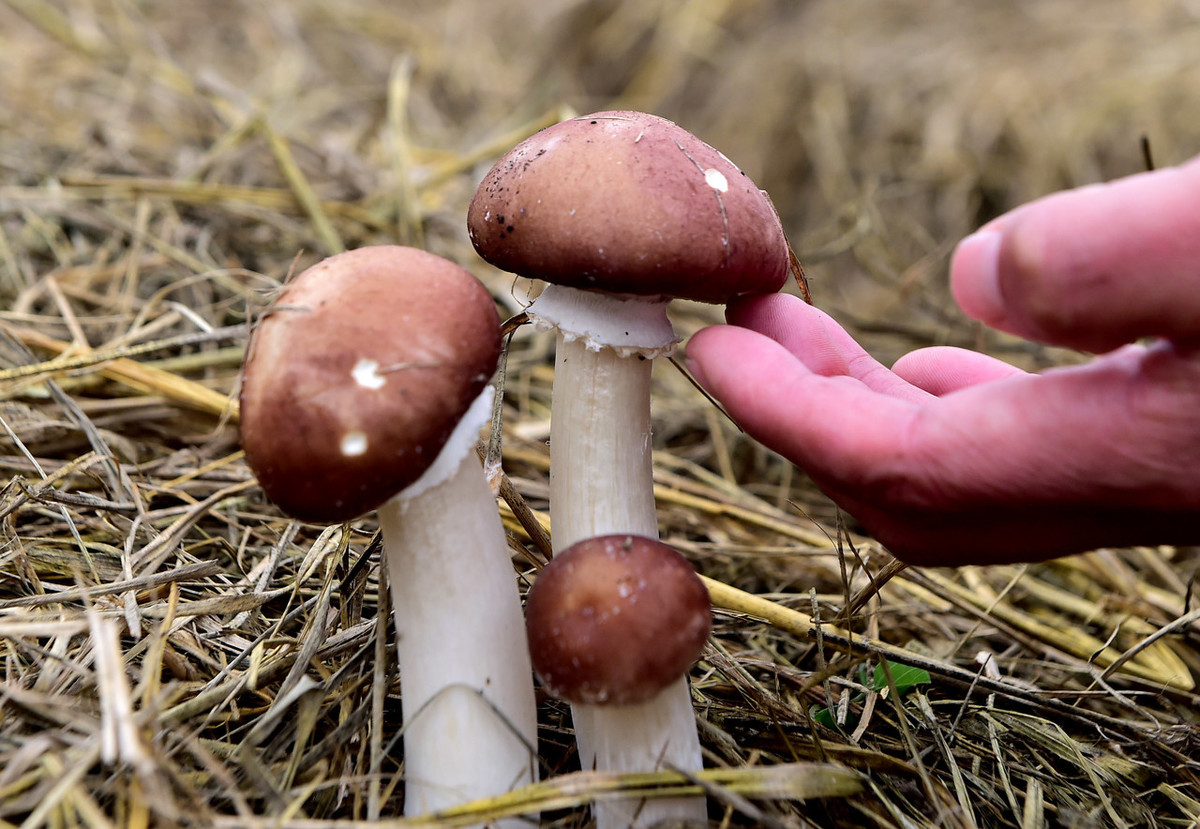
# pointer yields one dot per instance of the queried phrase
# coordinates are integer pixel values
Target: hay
(176, 652)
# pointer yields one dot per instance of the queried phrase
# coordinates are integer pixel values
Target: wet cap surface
(358, 374)
(614, 620)
(628, 203)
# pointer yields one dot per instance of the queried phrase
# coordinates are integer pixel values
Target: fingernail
(694, 369)
(975, 276)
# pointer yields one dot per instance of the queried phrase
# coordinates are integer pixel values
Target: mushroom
(365, 387)
(614, 621)
(620, 212)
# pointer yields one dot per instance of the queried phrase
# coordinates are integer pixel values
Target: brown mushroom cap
(628, 203)
(614, 620)
(359, 373)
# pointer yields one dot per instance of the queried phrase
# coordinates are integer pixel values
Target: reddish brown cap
(359, 373)
(628, 203)
(614, 620)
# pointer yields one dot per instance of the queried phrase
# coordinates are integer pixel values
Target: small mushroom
(613, 622)
(365, 387)
(620, 212)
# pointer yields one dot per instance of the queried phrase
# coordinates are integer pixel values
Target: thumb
(1092, 268)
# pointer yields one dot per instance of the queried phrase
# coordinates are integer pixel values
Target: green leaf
(823, 716)
(904, 676)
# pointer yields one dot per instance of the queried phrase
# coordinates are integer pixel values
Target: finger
(817, 340)
(942, 369)
(820, 423)
(1092, 268)
(1021, 439)
(991, 443)
(1073, 456)
(807, 332)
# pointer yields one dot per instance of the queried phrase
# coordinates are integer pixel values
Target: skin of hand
(952, 457)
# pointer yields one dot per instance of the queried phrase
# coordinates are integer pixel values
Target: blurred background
(884, 131)
(165, 165)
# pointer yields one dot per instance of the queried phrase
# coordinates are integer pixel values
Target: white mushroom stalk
(469, 714)
(370, 378)
(621, 203)
(602, 482)
(659, 734)
(601, 476)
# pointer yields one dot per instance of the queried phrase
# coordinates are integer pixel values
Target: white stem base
(469, 714)
(659, 734)
(601, 482)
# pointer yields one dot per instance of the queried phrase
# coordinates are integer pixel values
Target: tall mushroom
(620, 212)
(365, 387)
(614, 621)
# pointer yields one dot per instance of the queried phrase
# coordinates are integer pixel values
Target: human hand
(952, 457)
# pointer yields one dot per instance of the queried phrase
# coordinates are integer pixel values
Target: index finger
(820, 423)
(817, 340)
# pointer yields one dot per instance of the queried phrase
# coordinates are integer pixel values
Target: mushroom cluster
(366, 384)
(620, 212)
(365, 387)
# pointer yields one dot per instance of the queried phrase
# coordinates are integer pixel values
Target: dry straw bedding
(174, 651)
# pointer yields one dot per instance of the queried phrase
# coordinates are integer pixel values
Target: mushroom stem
(601, 482)
(657, 734)
(601, 475)
(469, 712)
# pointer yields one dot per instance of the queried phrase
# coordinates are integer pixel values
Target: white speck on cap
(716, 180)
(354, 444)
(366, 374)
